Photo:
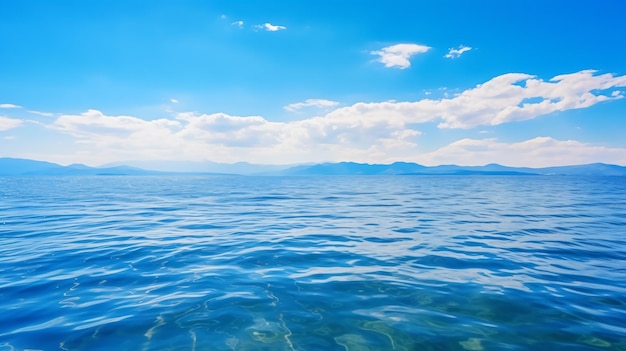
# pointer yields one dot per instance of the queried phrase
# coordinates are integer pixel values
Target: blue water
(304, 263)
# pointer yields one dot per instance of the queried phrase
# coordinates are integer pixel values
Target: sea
(347, 263)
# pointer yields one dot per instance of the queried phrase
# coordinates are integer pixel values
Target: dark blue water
(303, 263)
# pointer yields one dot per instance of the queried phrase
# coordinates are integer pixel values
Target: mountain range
(25, 167)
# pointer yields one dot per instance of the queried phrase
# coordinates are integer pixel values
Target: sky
(520, 83)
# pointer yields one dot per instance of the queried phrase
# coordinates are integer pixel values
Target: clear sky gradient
(521, 83)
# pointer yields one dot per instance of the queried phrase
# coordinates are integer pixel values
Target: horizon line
(122, 163)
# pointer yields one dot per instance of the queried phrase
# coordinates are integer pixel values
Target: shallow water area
(313, 263)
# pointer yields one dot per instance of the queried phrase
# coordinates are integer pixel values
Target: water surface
(305, 263)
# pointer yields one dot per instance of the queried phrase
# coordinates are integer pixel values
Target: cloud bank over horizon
(369, 132)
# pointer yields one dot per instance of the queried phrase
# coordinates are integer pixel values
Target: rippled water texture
(303, 263)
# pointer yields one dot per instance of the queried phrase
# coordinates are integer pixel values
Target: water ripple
(331, 263)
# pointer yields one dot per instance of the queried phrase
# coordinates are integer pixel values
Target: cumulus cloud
(319, 103)
(334, 137)
(457, 52)
(507, 98)
(95, 122)
(255, 131)
(10, 106)
(397, 56)
(518, 97)
(226, 130)
(238, 24)
(270, 27)
(537, 152)
(121, 136)
(225, 138)
(363, 132)
(9, 123)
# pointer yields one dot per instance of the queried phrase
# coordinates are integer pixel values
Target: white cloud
(226, 130)
(507, 98)
(224, 138)
(10, 106)
(334, 137)
(9, 123)
(319, 103)
(536, 152)
(45, 114)
(270, 27)
(256, 131)
(238, 24)
(518, 97)
(397, 56)
(174, 101)
(456, 53)
(120, 135)
(95, 122)
(363, 132)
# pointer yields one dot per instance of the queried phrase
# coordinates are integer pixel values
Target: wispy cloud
(319, 103)
(397, 56)
(457, 52)
(270, 27)
(45, 114)
(174, 101)
(238, 24)
(10, 106)
(9, 123)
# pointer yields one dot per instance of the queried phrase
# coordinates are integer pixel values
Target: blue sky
(521, 83)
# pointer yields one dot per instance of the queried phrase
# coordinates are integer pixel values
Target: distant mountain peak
(24, 167)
